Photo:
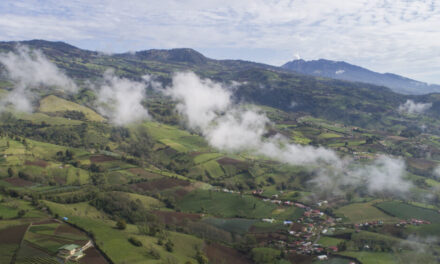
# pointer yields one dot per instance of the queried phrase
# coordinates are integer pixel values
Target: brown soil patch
(219, 254)
(396, 138)
(422, 164)
(143, 173)
(302, 259)
(12, 235)
(18, 182)
(230, 161)
(67, 229)
(59, 180)
(176, 218)
(181, 192)
(196, 153)
(45, 222)
(39, 163)
(93, 256)
(101, 158)
(160, 184)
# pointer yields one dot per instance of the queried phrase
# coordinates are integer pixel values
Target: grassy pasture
(233, 225)
(206, 157)
(213, 169)
(225, 204)
(115, 243)
(41, 117)
(363, 212)
(52, 103)
(407, 211)
(175, 135)
(367, 257)
(147, 201)
(329, 241)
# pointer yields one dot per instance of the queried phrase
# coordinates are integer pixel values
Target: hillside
(352, 103)
(234, 162)
(344, 71)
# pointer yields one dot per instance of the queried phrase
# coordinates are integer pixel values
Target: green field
(115, 242)
(55, 104)
(233, 225)
(366, 257)
(363, 212)
(326, 241)
(225, 204)
(406, 211)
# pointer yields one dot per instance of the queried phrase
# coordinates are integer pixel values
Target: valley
(320, 167)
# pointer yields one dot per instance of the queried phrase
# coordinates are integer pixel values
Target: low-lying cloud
(208, 108)
(411, 107)
(29, 69)
(120, 99)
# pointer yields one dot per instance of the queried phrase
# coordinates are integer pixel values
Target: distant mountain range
(344, 71)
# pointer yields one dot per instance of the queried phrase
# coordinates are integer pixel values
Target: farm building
(73, 252)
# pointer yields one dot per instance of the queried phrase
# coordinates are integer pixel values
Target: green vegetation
(53, 104)
(232, 205)
(156, 192)
(407, 211)
(364, 212)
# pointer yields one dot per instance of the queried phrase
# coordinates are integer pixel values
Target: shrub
(121, 224)
(136, 242)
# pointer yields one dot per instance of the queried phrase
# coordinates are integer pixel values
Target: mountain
(175, 55)
(344, 71)
(353, 103)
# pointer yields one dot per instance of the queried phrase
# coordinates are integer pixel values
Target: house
(73, 251)
(322, 257)
(70, 251)
(333, 248)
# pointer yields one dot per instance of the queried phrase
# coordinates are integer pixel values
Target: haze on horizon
(397, 36)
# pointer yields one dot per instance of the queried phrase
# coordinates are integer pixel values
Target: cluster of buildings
(368, 224)
(415, 222)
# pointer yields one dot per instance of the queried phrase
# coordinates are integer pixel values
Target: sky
(397, 36)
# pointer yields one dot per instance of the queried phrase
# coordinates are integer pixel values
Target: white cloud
(28, 70)
(121, 99)
(394, 36)
(411, 107)
(207, 107)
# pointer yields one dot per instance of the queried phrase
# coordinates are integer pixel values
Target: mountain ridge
(342, 70)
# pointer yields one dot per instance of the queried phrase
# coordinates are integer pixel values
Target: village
(305, 232)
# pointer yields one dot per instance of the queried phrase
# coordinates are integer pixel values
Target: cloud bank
(120, 99)
(411, 107)
(30, 69)
(208, 108)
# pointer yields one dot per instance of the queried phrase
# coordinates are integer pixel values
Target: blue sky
(398, 36)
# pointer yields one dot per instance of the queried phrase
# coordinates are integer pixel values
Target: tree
(342, 246)
(265, 255)
(169, 246)
(201, 259)
(21, 213)
(135, 242)
(121, 224)
(10, 172)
